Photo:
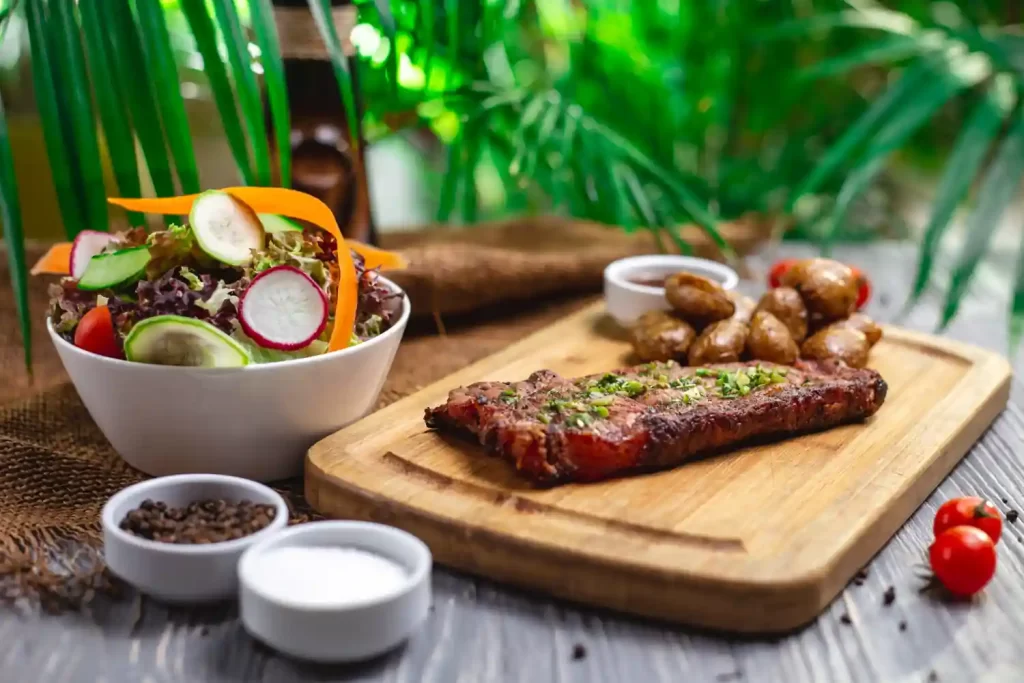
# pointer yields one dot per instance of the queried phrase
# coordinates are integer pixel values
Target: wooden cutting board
(757, 540)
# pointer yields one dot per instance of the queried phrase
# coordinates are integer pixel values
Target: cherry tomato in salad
(970, 511)
(95, 333)
(778, 270)
(963, 558)
(863, 287)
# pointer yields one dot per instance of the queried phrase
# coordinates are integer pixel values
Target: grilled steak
(652, 416)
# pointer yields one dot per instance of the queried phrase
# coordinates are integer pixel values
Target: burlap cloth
(484, 287)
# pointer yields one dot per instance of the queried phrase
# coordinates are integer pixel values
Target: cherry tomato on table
(95, 333)
(963, 558)
(970, 511)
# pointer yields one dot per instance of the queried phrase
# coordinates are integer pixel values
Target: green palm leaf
(803, 27)
(75, 95)
(110, 103)
(451, 10)
(885, 51)
(68, 199)
(205, 35)
(686, 198)
(531, 113)
(452, 176)
(262, 13)
(245, 83)
(428, 31)
(156, 42)
(387, 24)
(997, 190)
(638, 196)
(600, 191)
(904, 123)
(471, 150)
(624, 215)
(321, 11)
(564, 193)
(14, 239)
(901, 92)
(140, 95)
(962, 166)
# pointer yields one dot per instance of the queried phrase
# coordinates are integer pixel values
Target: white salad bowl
(628, 300)
(255, 421)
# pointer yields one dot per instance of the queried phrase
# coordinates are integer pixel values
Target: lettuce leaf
(195, 283)
(221, 293)
(169, 248)
(173, 247)
(295, 249)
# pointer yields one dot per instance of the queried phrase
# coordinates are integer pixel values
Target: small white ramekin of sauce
(335, 591)
(635, 285)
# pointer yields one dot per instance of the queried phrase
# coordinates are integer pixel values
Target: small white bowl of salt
(335, 591)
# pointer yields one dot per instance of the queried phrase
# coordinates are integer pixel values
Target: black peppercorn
(199, 522)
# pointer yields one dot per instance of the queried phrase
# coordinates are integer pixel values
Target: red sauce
(648, 280)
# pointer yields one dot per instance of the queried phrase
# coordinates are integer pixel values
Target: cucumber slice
(225, 228)
(273, 223)
(176, 340)
(111, 270)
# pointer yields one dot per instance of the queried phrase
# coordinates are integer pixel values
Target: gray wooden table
(478, 631)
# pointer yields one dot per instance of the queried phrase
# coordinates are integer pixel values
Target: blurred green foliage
(650, 115)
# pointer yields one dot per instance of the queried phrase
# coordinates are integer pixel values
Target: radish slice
(225, 228)
(87, 244)
(283, 309)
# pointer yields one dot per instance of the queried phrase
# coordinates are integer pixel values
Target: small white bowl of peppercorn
(179, 538)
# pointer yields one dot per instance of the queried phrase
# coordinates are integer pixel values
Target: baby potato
(771, 340)
(659, 335)
(720, 342)
(744, 306)
(859, 321)
(786, 304)
(835, 341)
(698, 300)
(828, 288)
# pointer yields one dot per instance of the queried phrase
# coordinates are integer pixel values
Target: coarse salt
(319, 575)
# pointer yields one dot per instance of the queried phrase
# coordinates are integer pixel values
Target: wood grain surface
(757, 540)
(479, 631)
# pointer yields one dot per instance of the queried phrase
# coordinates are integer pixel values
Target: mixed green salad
(229, 288)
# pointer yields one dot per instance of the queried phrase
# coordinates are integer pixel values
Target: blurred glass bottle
(323, 162)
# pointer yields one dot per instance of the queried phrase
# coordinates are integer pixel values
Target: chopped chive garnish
(633, 388)
(579, 420)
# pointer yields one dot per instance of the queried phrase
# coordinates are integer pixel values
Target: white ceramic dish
(183, 573)
(255, 422)
(341, 632)
(628, 300)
